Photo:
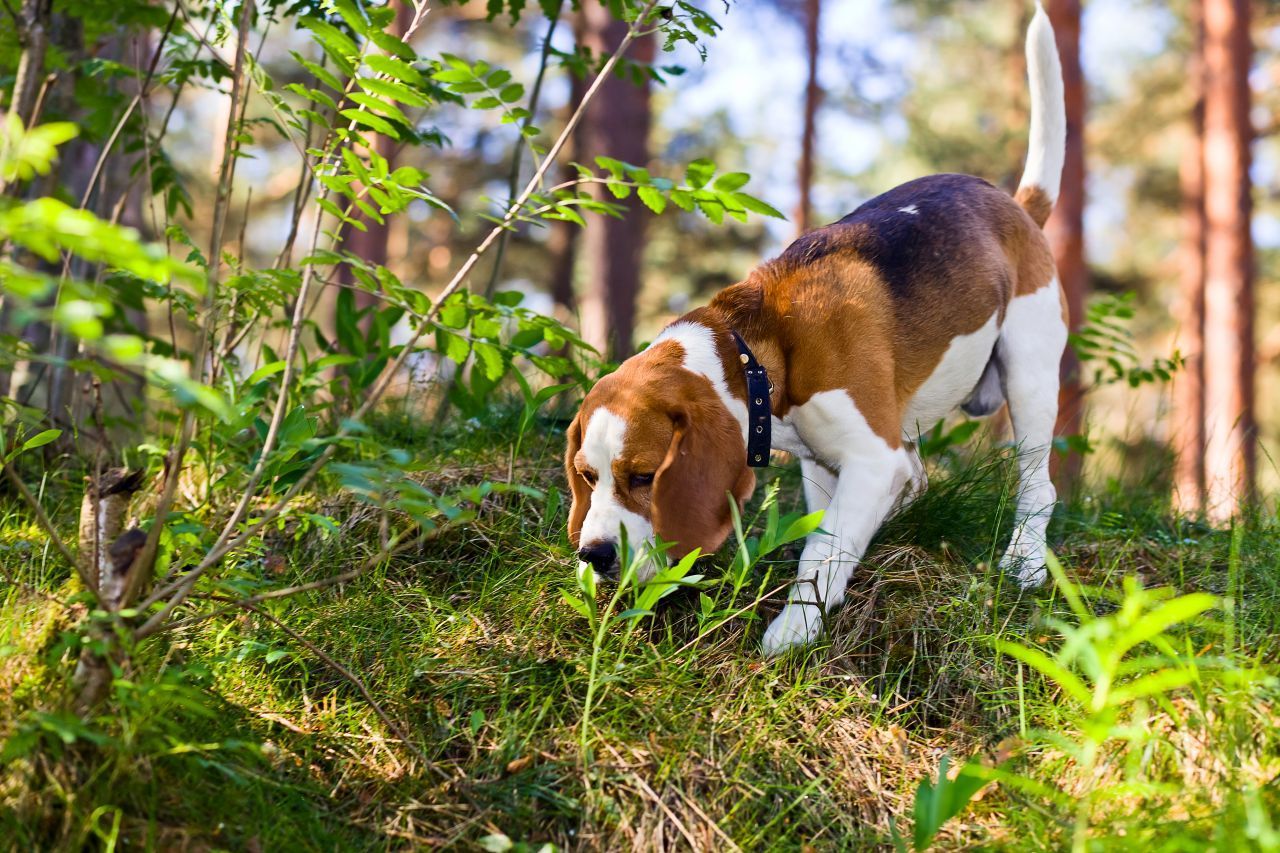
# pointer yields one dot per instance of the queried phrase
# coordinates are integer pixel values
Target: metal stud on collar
(759, 405)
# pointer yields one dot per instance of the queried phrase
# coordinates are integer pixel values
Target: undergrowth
(230, 733)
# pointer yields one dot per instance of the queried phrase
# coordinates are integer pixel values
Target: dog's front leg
(872, 473)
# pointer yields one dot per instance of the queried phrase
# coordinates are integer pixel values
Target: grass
(230, 735)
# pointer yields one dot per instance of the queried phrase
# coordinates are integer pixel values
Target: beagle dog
(940, 294)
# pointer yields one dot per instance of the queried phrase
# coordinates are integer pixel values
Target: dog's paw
(1025, 561)
(797, 625)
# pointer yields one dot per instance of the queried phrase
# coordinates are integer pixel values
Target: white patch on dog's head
(602, 443)
(702, 357)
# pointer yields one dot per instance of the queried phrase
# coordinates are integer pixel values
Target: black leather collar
(759, 406)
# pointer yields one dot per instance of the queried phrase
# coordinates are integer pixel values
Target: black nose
(602, 556)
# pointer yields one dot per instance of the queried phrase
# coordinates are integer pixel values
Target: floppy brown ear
(706, 461)
(577, 485)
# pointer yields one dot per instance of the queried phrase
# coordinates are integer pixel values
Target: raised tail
(1042, 177)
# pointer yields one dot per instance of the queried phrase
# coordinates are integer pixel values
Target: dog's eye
(640, 481)
(589, 476)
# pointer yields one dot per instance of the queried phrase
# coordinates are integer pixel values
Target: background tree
(812, 99)
(370, 240)
(1228, 325)
(1187, 417)
(1066, 229)
(616, 125)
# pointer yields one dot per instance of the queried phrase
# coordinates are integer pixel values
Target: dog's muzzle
(602, 557)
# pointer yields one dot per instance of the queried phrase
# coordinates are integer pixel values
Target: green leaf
(380, 105)
(393, 45)
(454, 315)
(730, 182)
(266, 370)
(577, 604)
(755, 205)
(1158, 621)
(1157, 683)
(937, 803)
(682, 200)
(395, 68)
(698, 172)
(616, 168)
(454, 75)
(40, 439)
(1049, 668)
(372, 121)
(319, 72)
(339, 47)
(491, 360)
(452, 347)
(652, 199)
(801, 527)
(394, 90)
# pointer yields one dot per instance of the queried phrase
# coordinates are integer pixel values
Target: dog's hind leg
(1030, 349)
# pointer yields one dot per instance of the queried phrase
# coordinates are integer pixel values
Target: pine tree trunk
(617, 125)
(1187, 418)
(33, 22)
(1065, 229)
(33, 31)
(562, 244)
(812, 95)
(371, 244)
(1228, 324)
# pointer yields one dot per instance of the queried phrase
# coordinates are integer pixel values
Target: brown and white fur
(937, 295)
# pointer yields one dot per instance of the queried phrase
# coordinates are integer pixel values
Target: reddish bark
(562, 243)
(1065, 229)
(1228, 339)
(371, 245)
(617, 125)
(1187, 417)
(812, 96)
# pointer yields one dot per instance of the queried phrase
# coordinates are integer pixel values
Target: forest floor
(234, 734)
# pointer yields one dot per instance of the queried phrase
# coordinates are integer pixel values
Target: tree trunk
(1065, 229)
(33, 35)
(1187, 418)
(1228, 324)
(812, 95)
(562, 244)
(107, 555)
(617, 125)
(371, 245)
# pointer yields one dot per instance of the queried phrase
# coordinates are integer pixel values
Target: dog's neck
(741, 308)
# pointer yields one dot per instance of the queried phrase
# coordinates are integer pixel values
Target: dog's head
(653, 451)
